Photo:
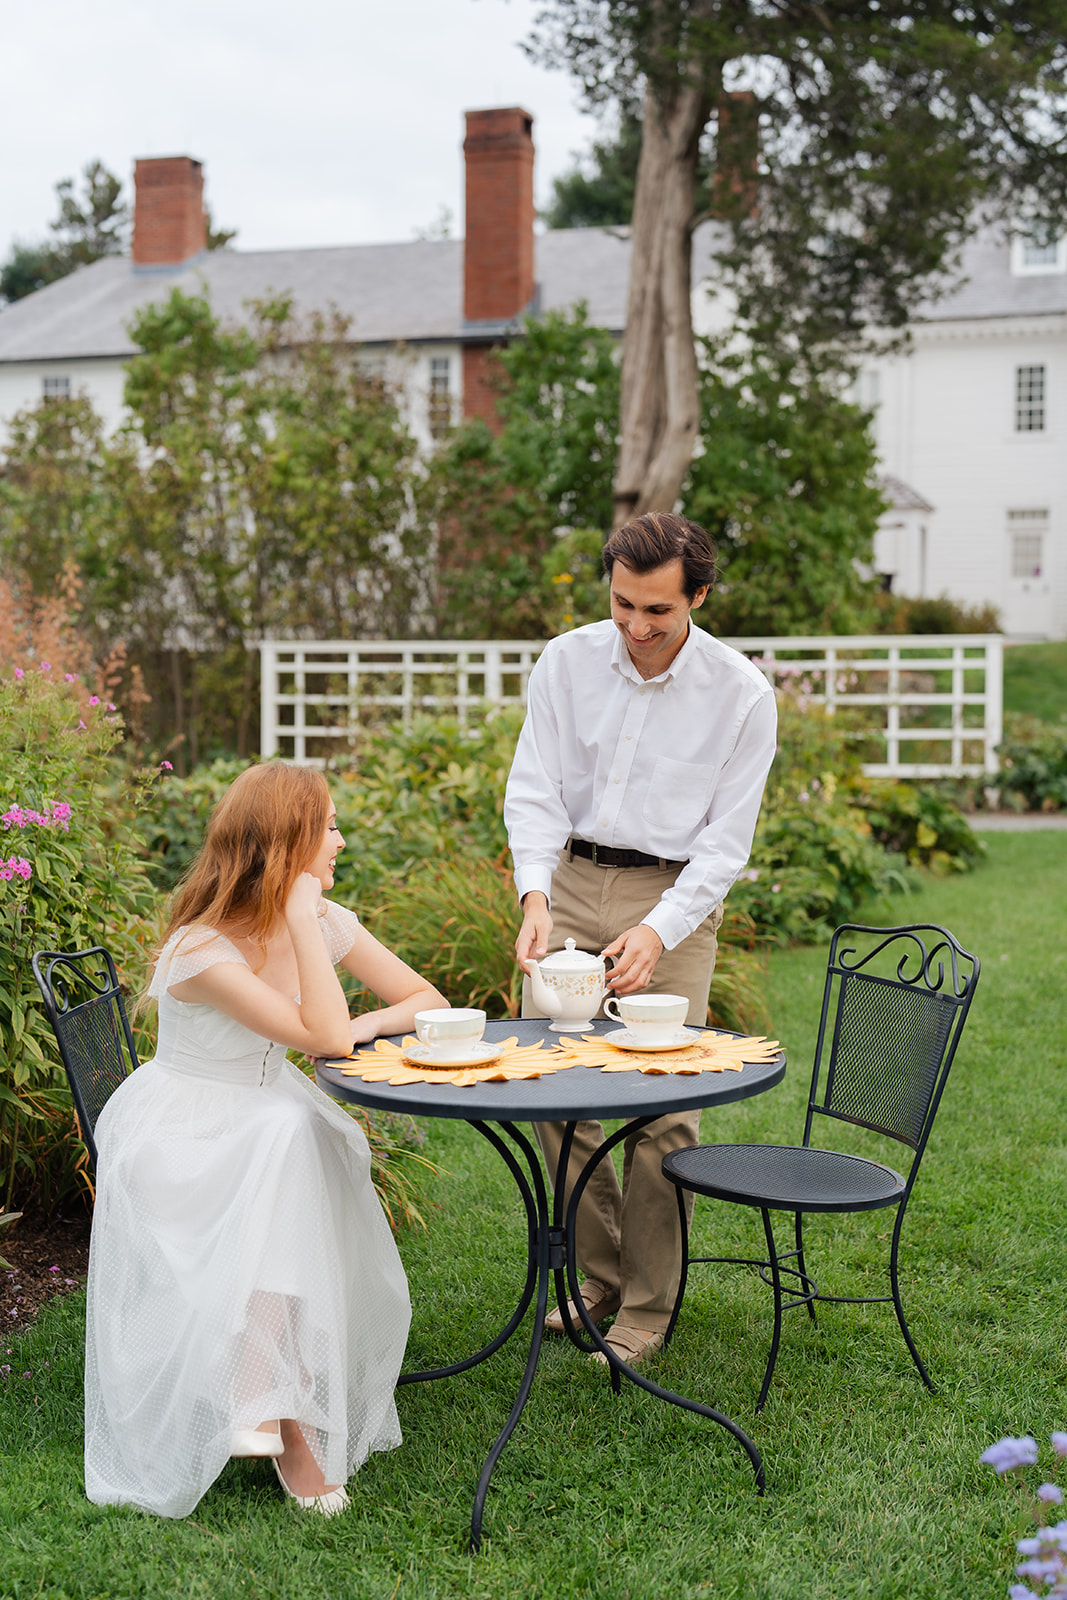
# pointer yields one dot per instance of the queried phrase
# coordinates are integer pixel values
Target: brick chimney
(735, 181)
(169, 227)
(498, 254)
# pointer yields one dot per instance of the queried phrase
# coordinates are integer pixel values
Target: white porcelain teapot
(568, 987)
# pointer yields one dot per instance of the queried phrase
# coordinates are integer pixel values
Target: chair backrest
(893, 1009)
(85, 1007)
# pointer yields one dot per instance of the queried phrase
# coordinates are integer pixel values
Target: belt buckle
(593, 857)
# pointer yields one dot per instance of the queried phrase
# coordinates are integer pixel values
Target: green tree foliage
(598, 192)
(263, 483)
(498, 499)
(90, 225)
(886, 135)
(785, 485)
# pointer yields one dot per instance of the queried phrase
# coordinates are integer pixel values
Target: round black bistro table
(573, 1095)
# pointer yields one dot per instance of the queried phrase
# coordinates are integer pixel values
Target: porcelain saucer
(625, 1040)
(478, 1055)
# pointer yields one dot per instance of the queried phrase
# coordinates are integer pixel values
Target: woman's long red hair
(262, 835)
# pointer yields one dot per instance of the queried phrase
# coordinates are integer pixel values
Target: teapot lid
(571, 960)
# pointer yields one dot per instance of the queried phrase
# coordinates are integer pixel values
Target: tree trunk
(660, 409)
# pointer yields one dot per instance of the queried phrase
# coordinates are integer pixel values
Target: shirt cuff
(527, 878)
(669, 924)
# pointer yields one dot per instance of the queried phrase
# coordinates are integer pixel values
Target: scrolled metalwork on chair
(894, 1005)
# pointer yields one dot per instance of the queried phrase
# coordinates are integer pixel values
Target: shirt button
(629, 735)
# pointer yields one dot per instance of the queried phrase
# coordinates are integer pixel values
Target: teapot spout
(544, 998)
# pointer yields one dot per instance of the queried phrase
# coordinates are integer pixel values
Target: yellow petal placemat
(711, 1052)
(386, 1063)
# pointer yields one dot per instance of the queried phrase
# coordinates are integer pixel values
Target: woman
(245, 1294)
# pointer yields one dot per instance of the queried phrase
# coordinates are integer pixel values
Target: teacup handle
(617, 1014)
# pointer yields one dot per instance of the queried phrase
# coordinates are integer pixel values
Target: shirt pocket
(678, 796)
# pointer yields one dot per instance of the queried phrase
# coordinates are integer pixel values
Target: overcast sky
(318, 122)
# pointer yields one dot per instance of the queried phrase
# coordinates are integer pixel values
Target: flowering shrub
(70, 877)
(1044, 1553)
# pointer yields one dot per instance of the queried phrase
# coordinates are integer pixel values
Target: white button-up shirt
(674, 766)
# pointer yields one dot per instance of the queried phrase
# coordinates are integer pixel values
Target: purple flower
(1059, 1443)
(1007, 1454)
(1019, 1591)
(1051, 1494)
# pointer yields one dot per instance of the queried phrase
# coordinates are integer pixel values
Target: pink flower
(19, 672)
(94, 699)
(81, 728)
(15, 818)
(71, 677)
(61, 815)
(46, 666)
(165, 766)
(110, 707)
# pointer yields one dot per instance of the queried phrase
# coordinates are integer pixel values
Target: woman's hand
(304, 897)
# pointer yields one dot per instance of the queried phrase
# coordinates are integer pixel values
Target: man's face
(651, 611)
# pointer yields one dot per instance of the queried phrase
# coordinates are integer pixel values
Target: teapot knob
(568, 944)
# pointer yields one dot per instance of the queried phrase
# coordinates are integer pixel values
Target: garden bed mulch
(47, 1258)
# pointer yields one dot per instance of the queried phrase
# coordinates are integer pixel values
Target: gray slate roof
(414, 291)
(989, 290)
(408, 291)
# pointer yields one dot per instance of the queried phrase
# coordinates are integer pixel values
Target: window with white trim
(440, 395)
(1027, 532)
(56, 388)
(1038, 253)
(1030, 399)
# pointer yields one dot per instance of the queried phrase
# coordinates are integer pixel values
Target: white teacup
(650, 1018)
(450, 1030)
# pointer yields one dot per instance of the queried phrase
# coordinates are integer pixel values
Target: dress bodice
(200, 1042)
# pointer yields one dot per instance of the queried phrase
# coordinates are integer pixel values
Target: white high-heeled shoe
(245, 1442)
(329, 1504)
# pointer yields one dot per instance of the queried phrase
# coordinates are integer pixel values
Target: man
(630, 810)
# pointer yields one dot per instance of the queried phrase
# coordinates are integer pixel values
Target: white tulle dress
(241, 1268)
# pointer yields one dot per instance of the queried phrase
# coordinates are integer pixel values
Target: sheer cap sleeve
(339, 928)
(189, 952)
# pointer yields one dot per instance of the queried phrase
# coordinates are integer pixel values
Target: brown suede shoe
(600, 1302)
(632, 1345)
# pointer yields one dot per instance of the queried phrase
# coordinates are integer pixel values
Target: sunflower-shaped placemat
(709, 1052)
(388, 1063)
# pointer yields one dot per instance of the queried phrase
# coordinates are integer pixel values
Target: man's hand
(532, 942)
(636, 952)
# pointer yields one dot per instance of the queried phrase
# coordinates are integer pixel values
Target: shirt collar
(622, 664)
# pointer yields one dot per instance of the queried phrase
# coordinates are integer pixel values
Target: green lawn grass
(1035, 679)
(876, 1491)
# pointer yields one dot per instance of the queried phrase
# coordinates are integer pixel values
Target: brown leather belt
(603, 855)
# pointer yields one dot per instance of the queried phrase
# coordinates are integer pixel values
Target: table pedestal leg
(617, 1365)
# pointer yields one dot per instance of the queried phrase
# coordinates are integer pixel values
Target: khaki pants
(628, 1238)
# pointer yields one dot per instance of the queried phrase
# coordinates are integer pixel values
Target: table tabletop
(571, 1095)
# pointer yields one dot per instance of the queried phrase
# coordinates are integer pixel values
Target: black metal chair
(88, 1015)
(894, 1006)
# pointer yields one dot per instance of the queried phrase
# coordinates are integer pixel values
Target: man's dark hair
(651, 541)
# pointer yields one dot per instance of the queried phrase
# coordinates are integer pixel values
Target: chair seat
(785, 1177)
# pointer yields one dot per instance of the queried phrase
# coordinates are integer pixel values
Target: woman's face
(321, 864)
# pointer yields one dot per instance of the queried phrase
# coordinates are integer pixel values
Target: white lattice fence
(924, 705)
